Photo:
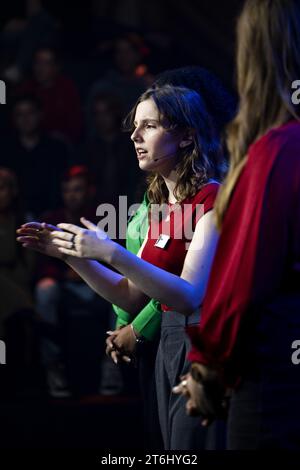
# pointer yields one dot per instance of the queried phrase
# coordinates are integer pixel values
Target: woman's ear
(187, 139)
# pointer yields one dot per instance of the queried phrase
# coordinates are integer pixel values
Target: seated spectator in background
(37, 159)
(58, 94)
(58, 283)
(16, 268)
(129, 76)
(77, 193)
(108, 152)
(21, 36)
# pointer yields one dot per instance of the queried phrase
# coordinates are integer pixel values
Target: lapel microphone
(163, 157)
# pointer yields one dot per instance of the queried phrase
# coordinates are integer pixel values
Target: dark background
(176, 33)
(199, 32)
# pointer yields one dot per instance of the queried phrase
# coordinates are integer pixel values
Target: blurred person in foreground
(250, 317)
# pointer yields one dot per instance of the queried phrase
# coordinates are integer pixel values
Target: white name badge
(162, 241)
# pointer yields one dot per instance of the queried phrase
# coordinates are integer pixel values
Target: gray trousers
(179, 431)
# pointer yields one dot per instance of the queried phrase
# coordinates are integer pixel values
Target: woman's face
(156, 147)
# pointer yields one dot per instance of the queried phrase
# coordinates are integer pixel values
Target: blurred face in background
(106, 119)
(126, 57)
(26, 118)
(7, 194)
(75, 194)
(45, 67)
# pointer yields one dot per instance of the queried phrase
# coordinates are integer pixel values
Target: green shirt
(147, 321)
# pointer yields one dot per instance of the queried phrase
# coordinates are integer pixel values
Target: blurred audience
(129, 76)
(73, 319)
(21, 36)
(62, 115)
(109, 153)
(16, 306)
(37, 158)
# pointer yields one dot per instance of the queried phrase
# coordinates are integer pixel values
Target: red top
(178, 230)
(258, 255)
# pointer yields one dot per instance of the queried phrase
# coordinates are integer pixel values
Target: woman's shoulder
(278, 138)
(206, 195)
(290, 128)
(208, 190)
(280, 146)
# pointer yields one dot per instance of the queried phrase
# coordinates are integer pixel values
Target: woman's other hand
(205, 393)
(112, 349)
(124, 339)
(37, 236)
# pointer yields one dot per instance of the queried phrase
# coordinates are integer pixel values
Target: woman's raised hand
(37, 236)
(90, 242)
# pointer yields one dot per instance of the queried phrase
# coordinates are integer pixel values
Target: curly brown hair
(182, 110)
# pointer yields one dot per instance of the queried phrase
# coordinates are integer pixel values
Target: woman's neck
(170, 182)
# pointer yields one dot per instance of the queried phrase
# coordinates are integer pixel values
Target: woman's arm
(184, 293)
(259, 242)
(110, 285)
(146, 323)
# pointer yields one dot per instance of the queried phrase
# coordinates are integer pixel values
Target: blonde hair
(268, 61)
